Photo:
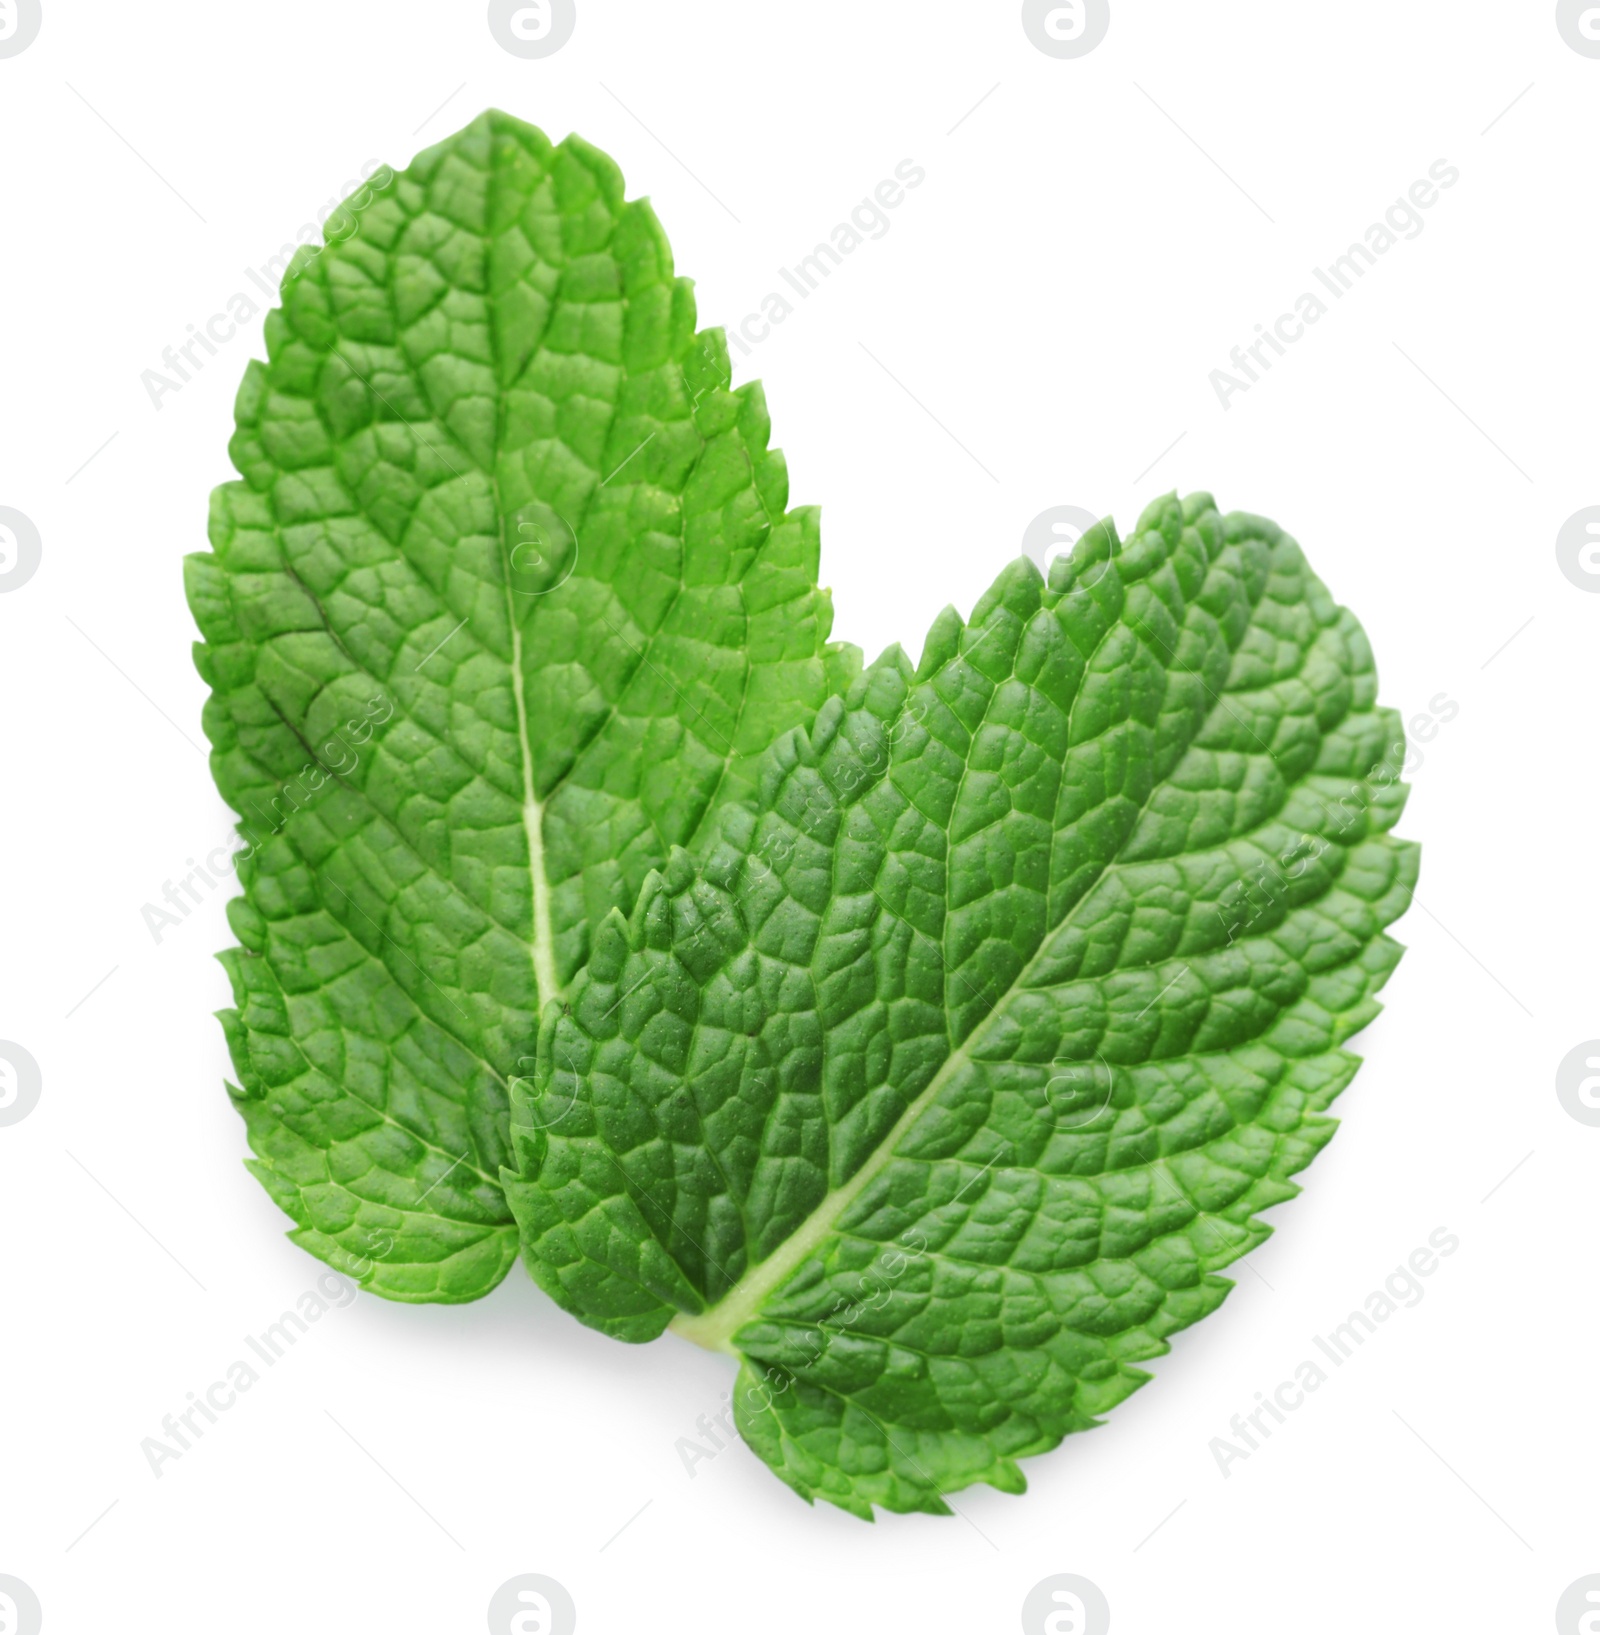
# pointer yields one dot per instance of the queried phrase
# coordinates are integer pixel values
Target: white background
(1091, 241)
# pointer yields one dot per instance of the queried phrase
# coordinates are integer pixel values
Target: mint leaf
(941, 1088)
(506, 605)
(927, 1038)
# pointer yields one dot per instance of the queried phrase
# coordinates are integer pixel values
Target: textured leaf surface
(506, 604)
(941, 1087)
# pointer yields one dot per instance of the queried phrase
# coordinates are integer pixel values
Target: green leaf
(927, 1038)
(506, 605)
(939, 1091)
